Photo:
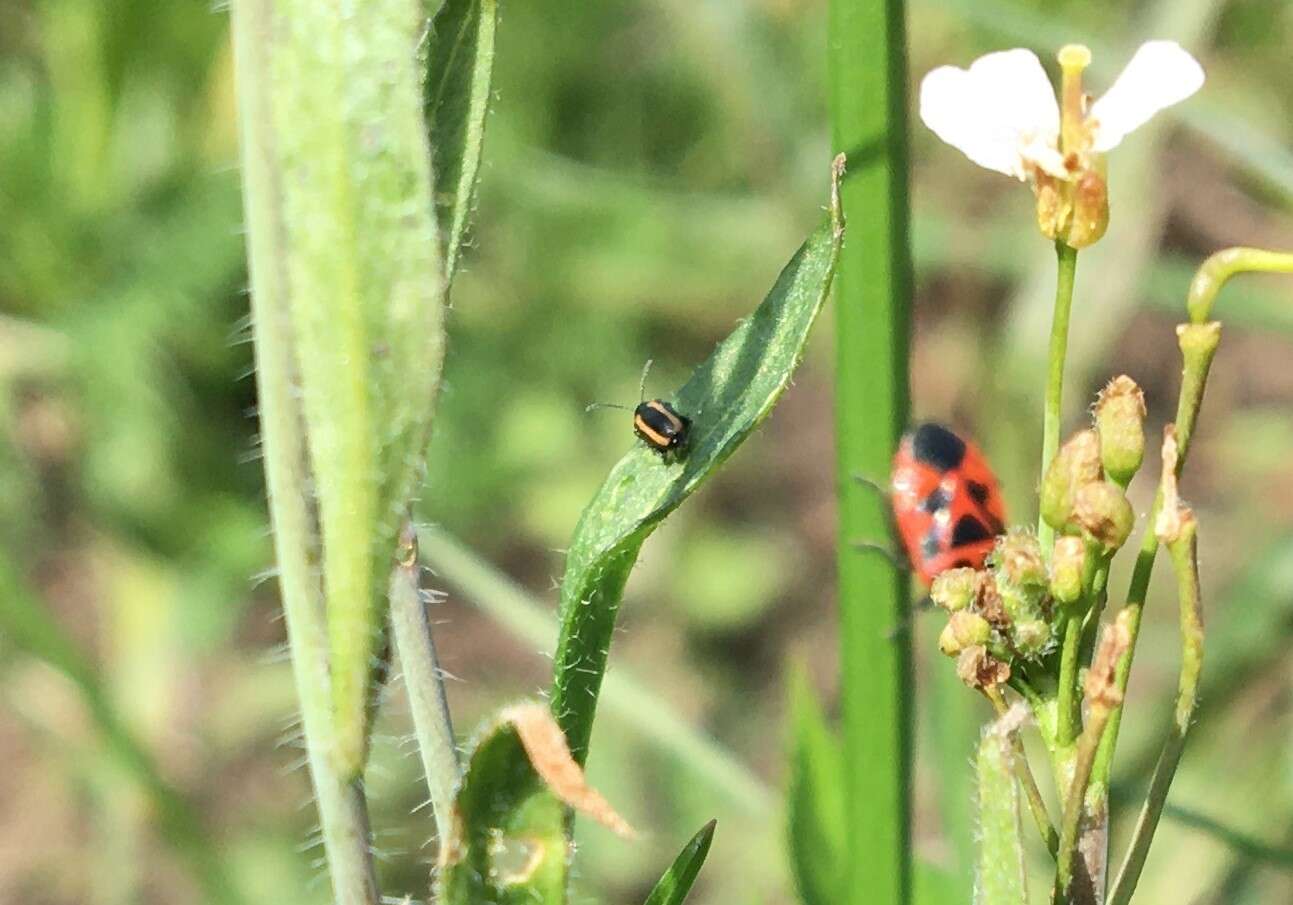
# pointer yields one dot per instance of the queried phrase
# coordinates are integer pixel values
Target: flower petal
(1001, 106)
(1160, 74)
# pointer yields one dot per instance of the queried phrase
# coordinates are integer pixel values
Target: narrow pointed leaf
(677, 880)
(726, 398)
(815, 808)
(460, 64)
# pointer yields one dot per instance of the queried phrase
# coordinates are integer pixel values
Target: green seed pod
(1102, 511)
(1120, 422)
(1018, 559)
(964, 629)
(954, 589)
(1075, 465)
(1068, 569)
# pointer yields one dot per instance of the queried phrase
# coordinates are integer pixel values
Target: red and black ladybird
(946, 501)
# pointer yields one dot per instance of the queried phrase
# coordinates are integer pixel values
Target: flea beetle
(657, 423)
(660, 426)
(946, 501)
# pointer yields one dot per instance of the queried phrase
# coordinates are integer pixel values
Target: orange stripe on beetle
(660, 426)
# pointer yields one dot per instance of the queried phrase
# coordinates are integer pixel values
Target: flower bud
(1120, 422)
(1102, 511)
(1075, 465)
(1068, 569)
(1031, 637)
(964, 629)
(1018, 559)
(979, 669)
(954, 589)
(1090, 216)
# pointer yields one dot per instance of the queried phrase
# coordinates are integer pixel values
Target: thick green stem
(422, 678)
(868, 75)
(1183, 549)
(1067, 260)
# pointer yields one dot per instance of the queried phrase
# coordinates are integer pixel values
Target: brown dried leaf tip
(1172, 515)
(545, 745)
(1101, 679)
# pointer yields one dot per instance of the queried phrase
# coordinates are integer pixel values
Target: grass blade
(677, 880)
(460, 65)
(815, 806)
(868, 75)
(726, 398)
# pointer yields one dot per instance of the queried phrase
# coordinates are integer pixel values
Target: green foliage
(509, 845)
(816, 830)
(726, 398)
(460, 66)
(867, 58)
(677, 880)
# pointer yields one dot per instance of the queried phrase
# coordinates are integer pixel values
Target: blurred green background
(649, 166)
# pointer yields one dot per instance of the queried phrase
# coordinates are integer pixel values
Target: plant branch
(1051, 413)
(415, 647)
(1179, 531)
(1102, 696)
(1221, 266)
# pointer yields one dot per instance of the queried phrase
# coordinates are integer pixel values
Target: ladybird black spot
(937, 500)
(929, 545)
(937, 447)
(969, 530)
(978, 491)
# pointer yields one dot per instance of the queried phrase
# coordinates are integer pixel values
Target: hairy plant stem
(415, 647)
(1184, 553)
(1033, 794)
(1068, 716)
(1066, 257)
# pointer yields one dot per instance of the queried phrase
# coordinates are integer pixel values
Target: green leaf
(1001, 874)
(460, 64)
(508, 844)
(676, 882)
(726, 398)
(815, 807)
(347, 276)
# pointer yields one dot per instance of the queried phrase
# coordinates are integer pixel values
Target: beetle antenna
(646, 369)
(605, 405)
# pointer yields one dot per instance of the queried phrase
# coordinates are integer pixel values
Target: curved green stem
(1067, 258)
(1218, 268)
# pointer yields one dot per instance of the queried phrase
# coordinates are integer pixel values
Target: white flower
(1002, 112)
